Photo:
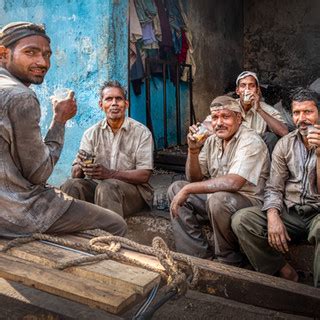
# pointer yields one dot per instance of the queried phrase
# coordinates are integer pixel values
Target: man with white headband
(226, 174)
(258, 115)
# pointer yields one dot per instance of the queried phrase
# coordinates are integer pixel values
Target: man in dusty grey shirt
(227, 174)
(123, 158)
(291, 210)
(27, 203)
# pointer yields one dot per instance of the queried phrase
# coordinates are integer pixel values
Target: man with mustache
(227, 174)
(292, 198)
(123, 163)
(27, 203)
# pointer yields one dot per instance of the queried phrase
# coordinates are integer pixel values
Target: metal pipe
(178, 120)
(165, 129)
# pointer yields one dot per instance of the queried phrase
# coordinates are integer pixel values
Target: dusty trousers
(121, 197)
(82, 216)
(250, 225)
(200, 209)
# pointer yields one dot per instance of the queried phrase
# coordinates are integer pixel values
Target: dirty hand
(314, 138)
(277, 233)
(193, 141)
(64, 110)
(178, 200)
(255, 101)
(97, 171)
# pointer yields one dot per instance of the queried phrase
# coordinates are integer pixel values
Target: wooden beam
(60, 283)
(111, 273)
(249, 287)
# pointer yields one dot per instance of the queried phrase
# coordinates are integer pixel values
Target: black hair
(113, 84)
(301, 94)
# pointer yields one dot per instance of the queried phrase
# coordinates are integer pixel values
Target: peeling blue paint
(89, 43)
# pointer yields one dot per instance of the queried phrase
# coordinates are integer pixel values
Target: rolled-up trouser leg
(250, 226)
(78, 188)
(221, 206)
(314, 238)
(83, 215)
(187, 231)
(119, 196)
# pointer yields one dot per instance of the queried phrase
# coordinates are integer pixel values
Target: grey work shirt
(26, 162)
(131, 148)
(292, 178)
(245, 155)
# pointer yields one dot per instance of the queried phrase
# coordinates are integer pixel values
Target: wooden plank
(18, 301)
(89, 292)
(109, 272)
(248, 286)
(251, 287)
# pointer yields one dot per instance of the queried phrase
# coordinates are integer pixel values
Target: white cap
(245, 74)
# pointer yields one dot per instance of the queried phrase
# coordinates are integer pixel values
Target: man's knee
(72, 184)
(107, 187)
(174, 188)
(247, 219)
(238, 220)
(218, 204)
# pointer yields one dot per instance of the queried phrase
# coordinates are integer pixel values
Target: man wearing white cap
(226, 174)
(258, 115)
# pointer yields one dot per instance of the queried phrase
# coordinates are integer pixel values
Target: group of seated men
(230, 183)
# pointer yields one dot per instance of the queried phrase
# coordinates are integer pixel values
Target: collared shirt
(130, 148)
(254, 121)
(292, 176)
(245, 155)
(26, 162)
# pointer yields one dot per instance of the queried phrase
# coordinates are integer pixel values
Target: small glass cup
(161, 201)
(61, 94)
(246, 96)
(310, 129)
(201, 132)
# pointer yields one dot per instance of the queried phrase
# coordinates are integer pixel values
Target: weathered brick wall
(282, 40)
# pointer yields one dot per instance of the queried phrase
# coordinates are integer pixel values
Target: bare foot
(287, 272)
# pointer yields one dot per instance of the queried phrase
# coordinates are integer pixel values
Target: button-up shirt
(252, 119)
(27, 204)
(130, 148)
(292, 176)
(245, 155)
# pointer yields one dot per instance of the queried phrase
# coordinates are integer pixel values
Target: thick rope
(108, 248)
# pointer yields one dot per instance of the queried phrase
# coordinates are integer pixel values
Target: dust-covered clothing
(130, 148)
(245, 155)
(291, 189)
(27, 203)
(292, 175)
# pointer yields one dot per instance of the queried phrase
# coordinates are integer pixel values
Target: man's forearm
(278, 127)
(193, 170)
(138, 176)
(228, 183)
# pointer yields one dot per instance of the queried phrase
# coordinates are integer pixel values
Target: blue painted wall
(89, 44)
(138, 110)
